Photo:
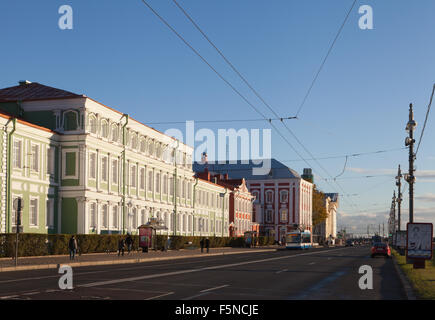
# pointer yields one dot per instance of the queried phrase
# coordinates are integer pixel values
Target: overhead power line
(220, 121)
(425, 120)
(325, 58)
(238, 93)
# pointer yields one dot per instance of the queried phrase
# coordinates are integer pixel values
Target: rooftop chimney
(24, 82)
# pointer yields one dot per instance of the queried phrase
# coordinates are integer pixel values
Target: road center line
(215, 288)
(311, 263)
(166, 274)
(159, 296)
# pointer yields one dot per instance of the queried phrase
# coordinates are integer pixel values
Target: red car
(380, 248)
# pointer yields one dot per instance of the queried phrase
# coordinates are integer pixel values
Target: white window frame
(31, 224)
(20, 140)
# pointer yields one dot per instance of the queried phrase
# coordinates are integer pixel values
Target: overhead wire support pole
(399, 196)
(410, 178)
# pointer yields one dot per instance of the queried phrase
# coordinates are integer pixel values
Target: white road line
(215, 288)
(284, 270)
(162, 295)
(166, 274)
(311, 263)
(30, 293)
(196, 296)
(9, 297)
(329, 258)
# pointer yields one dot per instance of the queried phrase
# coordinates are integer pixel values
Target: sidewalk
(93, 259)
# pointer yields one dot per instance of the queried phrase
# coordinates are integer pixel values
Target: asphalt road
(323, 273)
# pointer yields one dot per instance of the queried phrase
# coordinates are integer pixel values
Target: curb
(126, 261)
(405, 282)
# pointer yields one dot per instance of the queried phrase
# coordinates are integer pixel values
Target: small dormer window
(70, 121)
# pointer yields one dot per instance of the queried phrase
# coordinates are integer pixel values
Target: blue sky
(119, 53)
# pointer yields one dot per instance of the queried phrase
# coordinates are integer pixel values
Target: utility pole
(409, 141)
(399, 196)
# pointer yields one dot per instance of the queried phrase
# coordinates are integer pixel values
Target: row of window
(269, 196)
(243, 205)
(33, 156)
(109, 219)
(140, 143)
(269, 215)
(34, 214)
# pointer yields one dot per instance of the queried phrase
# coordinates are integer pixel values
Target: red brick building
(241, 202)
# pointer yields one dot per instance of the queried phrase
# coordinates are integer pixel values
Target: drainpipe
(123, 171)
(194, 202)
(8, 175)
(223, 212)
(175, 189)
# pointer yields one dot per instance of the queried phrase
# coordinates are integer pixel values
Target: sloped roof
(34, 91)
(239, 170)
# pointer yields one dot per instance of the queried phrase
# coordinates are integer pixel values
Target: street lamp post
(410, 178)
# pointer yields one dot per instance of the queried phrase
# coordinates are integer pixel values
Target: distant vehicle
(298, 240)
(349, 243)
(380, 249)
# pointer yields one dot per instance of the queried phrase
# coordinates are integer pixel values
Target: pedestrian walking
(202, 243)
(129, 242)
(168, 243)
(207, 244)
(121, 246)
(72, 246)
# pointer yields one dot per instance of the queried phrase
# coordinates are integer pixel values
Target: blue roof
(240, 170)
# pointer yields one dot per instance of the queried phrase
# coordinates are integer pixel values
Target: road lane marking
(173, 273)
(30, 293)
(311, 263)
(215, 288)
(284, 270)
(9, 297)
(329, 258)
(159, 296)
(196, 296)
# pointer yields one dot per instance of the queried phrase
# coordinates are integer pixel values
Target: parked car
(382, 249)
(349, 243)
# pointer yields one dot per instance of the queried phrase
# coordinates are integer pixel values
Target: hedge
(57, 244)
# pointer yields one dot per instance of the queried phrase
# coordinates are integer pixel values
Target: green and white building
(83, 167)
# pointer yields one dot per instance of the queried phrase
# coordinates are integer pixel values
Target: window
(158, 182)
(133, 176)
(269, 213)
(150, 181)
(50, 213)
(92, 165)
(151, 148)
(17, 153)
(115, 171)
(34, 164)
(189, 188)
(269, 196)
(105, 218)
(93, 215)
(183, 189)
(115, 217)
(142, 178)
(256, 194)
(93, 124)
(283, 214)
(184, 223)
(104, 169)
(134, 218)
(115, 134)
(165, 184)
(33, 212)
(283, 196)
(171, 186)
(142, 145)
(104, 129)
(50, 160)
(70, 164)
(143, 217)
(70, 121)
(134, 141)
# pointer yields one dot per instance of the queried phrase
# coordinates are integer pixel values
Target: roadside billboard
(419, 240)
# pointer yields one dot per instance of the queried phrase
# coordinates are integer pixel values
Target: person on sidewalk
(121, 246)
(129, 242)
(168, 244)
(207, 244)
(202, 243)
(72, 246)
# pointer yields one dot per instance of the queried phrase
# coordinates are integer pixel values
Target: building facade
(99, 170)
(283, 200)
